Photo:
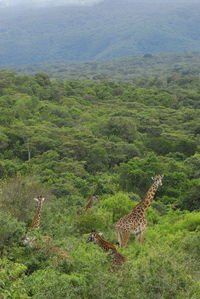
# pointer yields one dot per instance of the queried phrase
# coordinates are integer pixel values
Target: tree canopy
(69, 140)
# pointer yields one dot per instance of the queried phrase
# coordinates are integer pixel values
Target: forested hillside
(70, 140)
(135, 67)
(106, 30)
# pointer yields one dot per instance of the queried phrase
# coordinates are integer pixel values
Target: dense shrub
(119, 205)
(11, 282)
(10, 229)
(95, 220)
(17, 195)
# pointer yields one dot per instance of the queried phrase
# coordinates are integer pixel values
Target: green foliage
(10, 229)
(51, 284)
(8, 168)
(93, 221)
(194, 163)
(178, 71)
(191, 222)
(119, 205)
(138, 172)
(121, 127)
(191, 200)
(11, 282)
(191, 245)
(159, 277)
(17, 196)
(101, 31)
(71, 140)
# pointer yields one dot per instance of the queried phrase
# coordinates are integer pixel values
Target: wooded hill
(135, 67)
(69, 140)
(109, 29)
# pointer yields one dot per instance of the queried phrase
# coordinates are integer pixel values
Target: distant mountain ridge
(107, 30)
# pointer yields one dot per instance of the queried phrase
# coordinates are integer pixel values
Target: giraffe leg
(124, 237)
(119, 237)
(141, 240)
(137, 237)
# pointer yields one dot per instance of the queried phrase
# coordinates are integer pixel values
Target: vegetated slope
(121, 69)
(106, 30)
(70, 140)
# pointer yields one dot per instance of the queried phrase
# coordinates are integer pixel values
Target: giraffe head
(158, 180)
(27, 241)
(93, 237)
(39, 199)
(95, 198)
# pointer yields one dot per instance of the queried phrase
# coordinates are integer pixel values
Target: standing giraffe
(88, 204)
(118, 259)
(135, 222)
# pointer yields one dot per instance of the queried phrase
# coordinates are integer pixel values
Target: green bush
(191, 199)
(17, 195)
(10, 229)
(11, 282)
(95, 220)
(160, 273)
(190, 222)
(191, 243)
(119, 205)
(49, 283)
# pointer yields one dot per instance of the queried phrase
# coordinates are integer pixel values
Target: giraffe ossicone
(39, 199)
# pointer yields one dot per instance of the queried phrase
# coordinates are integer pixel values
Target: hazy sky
(41, 3)
(8, 3)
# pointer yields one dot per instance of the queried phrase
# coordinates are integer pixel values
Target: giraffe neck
(36, 219)
(105, 245)
(117, 258)
(89, 204)
(146, 202)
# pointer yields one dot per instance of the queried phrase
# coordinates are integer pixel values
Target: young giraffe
(88, 204)
(45, 241)
(135, 222)
(118, 259)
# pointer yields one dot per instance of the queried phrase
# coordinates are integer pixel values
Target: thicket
(70, 140)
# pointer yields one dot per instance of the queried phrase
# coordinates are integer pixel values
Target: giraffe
(88, 204)
(29, 238)
(36, 219)
(118, 259)
(135, 222)
(60, 253)
(44, 242)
